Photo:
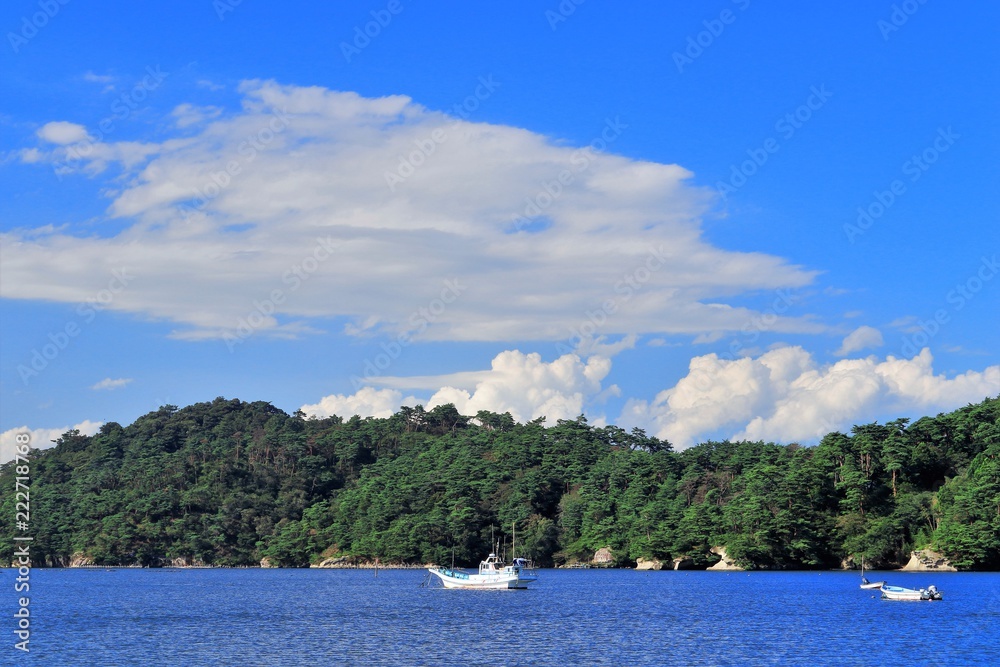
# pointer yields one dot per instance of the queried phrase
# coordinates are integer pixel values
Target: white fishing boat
(493, 575)
(900, 593)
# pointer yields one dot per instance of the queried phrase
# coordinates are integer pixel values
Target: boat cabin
(492, 565)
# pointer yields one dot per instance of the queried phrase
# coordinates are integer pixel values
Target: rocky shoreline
(83, 561)
(350, 564)
(923, 560)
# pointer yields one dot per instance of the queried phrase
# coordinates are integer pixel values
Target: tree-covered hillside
(229, 482)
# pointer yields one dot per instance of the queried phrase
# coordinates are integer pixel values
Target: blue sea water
(570, 617)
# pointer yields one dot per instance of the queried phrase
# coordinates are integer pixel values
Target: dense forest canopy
(229, 483)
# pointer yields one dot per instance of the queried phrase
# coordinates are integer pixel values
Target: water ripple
(572, 617)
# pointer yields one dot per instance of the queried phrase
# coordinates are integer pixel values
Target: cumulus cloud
(518, 383)
(40, 438)
(62, 133)
(862, 338)
(785, 396)
(528, 388)
(108, 383)
(367, 402)
(362, 208)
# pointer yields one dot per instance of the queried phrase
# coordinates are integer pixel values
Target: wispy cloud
(222, 218)
(109, 384)
(98, 78)
(209, 85)
(106, 80)
(186, 115)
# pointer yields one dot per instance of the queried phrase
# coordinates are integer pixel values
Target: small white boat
(493, 575)
(900, 593)
(868, 585)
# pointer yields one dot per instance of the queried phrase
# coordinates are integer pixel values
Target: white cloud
(708, 337)
(785, 396)
(98, 78)
(210, 85)
(367, 402)
(31, 155)
(461, 379)
(906, 323)
(40, 438)
(186, 115)
(108, 383)
(62, 133)
(862, 338)
(216, 222)
(600, 346)
(106, 79)
(519, 383)
(528, 388)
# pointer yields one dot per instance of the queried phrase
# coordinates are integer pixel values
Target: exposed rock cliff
(643, 564)
(926, 560)
(726, 563)
(80, 559)
(604, 557)
(684, 563)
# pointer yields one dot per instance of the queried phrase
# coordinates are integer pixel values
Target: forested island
(231, 483)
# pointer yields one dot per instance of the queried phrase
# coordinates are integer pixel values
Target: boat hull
(899, 593)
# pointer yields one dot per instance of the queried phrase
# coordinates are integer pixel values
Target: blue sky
(709, 219)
